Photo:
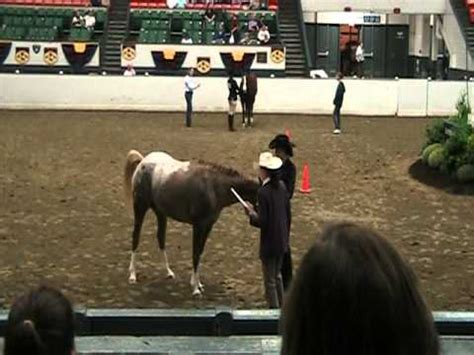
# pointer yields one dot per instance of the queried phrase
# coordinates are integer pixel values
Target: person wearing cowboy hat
(273, 217)
(284, 150)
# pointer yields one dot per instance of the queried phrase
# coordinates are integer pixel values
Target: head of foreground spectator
(354, 294)
(40, 322)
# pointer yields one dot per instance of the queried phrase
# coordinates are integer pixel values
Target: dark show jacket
(273, 218)
(287, 174)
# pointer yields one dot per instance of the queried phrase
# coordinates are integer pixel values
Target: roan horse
(248, 92)
(189, 192)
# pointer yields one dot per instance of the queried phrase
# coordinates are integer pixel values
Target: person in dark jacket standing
(338, 100)
(284, 150)
(232, 98)
(273, 217)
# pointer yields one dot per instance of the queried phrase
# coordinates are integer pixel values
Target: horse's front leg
(161, 236)
(200, 234)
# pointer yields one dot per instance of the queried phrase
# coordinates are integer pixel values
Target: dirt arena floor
(63, 218)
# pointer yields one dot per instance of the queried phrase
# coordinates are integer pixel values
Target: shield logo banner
(36, 48)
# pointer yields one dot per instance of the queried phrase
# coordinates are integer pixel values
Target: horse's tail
(133, 159)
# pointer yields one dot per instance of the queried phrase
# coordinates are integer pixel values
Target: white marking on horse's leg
(195, 283)
(170, 273)
(132, 269)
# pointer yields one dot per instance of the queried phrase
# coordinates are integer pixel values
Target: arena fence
(212, 322)
(160, 331)
(404, 97)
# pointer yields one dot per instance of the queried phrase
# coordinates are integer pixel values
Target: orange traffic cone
(288, 133)
(305, 184)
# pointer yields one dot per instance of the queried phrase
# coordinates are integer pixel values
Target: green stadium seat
(58, 22)
(187, 25)
(40, 21)
(101, 16)
(196, 36)
(8, 20)
(209, 37)
(79, 35)
(197, 16)
(209, 25)
(163, 25)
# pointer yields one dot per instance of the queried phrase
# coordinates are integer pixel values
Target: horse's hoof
(132, 280)
(170, 275)
(197, 293)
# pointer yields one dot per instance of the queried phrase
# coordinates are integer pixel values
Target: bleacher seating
(163, 26)
(76, 3)
(46, 24)
(235, 5)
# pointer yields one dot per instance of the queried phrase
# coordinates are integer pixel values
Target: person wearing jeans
(338, 100)
(189, 87)
(273, 217)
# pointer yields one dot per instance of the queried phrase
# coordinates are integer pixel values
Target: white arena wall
(405, 97)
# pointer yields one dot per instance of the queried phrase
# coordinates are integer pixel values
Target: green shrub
(465, 173)
(463, 107)
(435, 133)
(427, 151)
(436, 158)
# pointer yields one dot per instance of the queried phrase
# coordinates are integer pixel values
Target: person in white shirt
(359, 56)
(186, 39)
(77, 20)
(89, 20)
(171, 4)
(263, 35)
(129, 71)
(189, 86)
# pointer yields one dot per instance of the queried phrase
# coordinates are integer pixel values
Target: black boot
(230, 120)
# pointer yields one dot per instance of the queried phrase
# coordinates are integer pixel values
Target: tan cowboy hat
(268, 161)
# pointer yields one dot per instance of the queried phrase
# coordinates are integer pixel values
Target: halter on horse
(188, 192)
(248, 92)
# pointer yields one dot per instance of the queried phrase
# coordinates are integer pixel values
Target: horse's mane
(221, 169)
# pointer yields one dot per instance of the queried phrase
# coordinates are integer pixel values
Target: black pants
(336, 116)
(287, 269)
(189, 107)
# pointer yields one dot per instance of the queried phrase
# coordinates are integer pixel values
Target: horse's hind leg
(161, 236)
(139, 215)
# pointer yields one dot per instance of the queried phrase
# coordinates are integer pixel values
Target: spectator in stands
(254, 5)
(273, 217)
(284, 150)
(221, 36)
(89, 20)
(189, 86)
(354, 294)
(186, 39)
(245, 40)
(234, 30)
(40, 322)
(359, 56)
(209, 14)
(338, 100)
(254, 23)
(129, 71)
(77, 20)
(263, 35)
(171, 4)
